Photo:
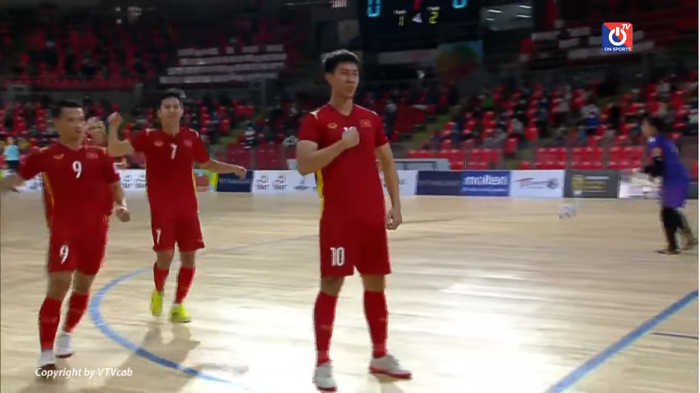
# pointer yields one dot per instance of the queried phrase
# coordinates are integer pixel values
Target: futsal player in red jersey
(171, 153)
(75, 178)
(341, 143)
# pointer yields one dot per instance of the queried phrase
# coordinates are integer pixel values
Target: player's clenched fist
(115, 120)
(239, 171)
(393, 219)
(350, 137)
(122, 213)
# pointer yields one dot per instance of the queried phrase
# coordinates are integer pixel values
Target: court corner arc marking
(630, 338)
(96, 315)
(98, 320)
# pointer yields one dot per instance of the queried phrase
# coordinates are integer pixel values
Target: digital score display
(417, 14)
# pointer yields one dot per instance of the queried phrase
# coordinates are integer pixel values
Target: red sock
(324, 316)
(184, 282)
(77, 305)
(159, 277)
(377, 319)
(49, 318)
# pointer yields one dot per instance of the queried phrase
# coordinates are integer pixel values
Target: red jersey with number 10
(349, 186)
(75, 182)
(170, 177)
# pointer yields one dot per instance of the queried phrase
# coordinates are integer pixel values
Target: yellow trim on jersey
(47, 192)
(315, 113)
(319, 187)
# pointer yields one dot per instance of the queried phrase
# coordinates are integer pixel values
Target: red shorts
(183, 231)
(345, 248)
(85, 253)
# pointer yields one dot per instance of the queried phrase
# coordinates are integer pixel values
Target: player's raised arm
(201, 157)
(391, 175)
(309, 157)
(115, 147)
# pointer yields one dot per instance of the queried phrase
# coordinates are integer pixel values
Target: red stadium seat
(511, 146)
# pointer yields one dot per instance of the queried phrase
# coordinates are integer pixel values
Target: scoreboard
(395, 25)
(395, 16)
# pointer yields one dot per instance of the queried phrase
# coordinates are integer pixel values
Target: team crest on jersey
(187, 143)
(158, 143)
(92, 155)
(365, 123)
(58, 156)
(332, 126)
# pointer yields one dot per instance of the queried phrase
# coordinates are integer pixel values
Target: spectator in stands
(518, 129)
(614, 117)
(561, 135)
(486, 98)
(290, 141)
(8, 121)
(542, 121)
(664, 89)
(250, 136)
(453, 94)
(12, 155)
(215, 120)
(693, 119)
(390, 117)
(520, 110)
(496, 140)
(591, 109)
(590, 125)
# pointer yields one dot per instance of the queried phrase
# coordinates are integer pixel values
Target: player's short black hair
(172, 93)
(658, 124)
(331, 60)
(57, 108)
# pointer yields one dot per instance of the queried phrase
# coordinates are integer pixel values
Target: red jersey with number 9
(170, 179)
(74, 182)
(350, 186)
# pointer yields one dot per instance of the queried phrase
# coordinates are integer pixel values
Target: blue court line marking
(593, 363)
(96, 316)
(675, 335)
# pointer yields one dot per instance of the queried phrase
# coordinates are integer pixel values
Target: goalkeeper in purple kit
(675, 185)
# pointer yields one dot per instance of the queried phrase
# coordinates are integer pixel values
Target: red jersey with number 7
(350, 186)
(74, 183)
(170, 179)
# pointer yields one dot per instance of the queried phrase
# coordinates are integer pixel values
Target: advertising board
(439, 183)
(232, 183)
(591, 184)
(537, 184)
(283, 182)
(486, 183)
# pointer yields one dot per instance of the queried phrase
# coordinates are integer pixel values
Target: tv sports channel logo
(617, 37)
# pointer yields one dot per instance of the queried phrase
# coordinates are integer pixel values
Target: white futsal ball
(567, 211)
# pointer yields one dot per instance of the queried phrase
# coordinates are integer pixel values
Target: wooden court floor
(488, 295)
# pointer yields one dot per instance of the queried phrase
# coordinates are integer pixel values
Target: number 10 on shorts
(337, 256)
